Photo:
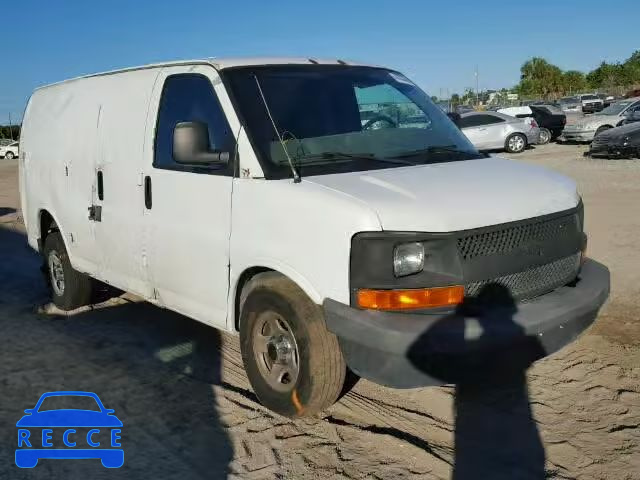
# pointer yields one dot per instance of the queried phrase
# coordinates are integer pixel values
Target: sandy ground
(188, 410)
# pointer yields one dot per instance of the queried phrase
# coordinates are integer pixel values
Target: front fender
(268, 264)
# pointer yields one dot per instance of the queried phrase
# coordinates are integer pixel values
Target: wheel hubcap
(516, 143)
(276, 351)
(56, 272)
(544, 136)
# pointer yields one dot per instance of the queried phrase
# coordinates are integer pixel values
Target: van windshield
(335, 118)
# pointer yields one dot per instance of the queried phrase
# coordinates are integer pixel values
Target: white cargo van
(263, 196)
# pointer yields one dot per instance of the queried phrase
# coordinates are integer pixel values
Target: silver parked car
(497, 131)
(585, 129)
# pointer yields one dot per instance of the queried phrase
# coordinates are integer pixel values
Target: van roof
(222, 63)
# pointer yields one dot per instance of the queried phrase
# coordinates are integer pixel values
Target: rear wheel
(70, 289)
(9, 155)
(545, 136)
(293, 362)
(516, 143)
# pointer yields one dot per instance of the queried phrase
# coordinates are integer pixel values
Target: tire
(70, 289)
(279, 324)
(601, 129)
(515, 143)
(545, 136)
(9, 155)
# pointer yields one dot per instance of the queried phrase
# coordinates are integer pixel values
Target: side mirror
(109, 411)
(191, 145)
(455, 118)
(29, 410)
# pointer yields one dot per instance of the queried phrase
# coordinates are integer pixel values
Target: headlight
(408, 258)
(626, 140)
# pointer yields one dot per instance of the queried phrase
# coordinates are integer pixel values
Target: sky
(436, 44)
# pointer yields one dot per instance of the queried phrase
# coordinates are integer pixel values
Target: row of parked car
(514, 128)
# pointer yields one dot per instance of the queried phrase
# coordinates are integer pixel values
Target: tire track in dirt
(270, 445)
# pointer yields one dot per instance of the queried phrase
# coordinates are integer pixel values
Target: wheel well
(247, 275)
(47, 224)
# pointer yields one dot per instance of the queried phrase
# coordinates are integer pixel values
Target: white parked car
(10, 151)
(498, 131)
(591, 103)
(393, 247)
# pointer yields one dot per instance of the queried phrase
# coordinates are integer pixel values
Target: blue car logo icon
(69, 425)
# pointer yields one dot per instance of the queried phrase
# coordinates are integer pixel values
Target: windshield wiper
(433, 149)
(345, 155)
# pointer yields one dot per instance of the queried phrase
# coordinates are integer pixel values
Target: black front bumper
(613, 151)
(404, 350)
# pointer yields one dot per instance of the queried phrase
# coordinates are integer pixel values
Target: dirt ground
(188, 411)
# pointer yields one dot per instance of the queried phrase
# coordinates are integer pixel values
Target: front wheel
(516, 143)
(293, 362)
(601, 129)
(545, 136)
(9, 155)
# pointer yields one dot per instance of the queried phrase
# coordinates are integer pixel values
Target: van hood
(454, 196)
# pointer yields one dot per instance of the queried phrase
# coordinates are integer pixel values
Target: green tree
(539, 77)
(573, 81)
(14, 132)
(631, 68)
(607, 75)
(469, 96)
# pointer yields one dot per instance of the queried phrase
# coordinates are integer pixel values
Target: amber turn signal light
(410, 299)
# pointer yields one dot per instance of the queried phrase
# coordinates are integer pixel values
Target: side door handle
(95, 211)
(148, 200)
(100, 185)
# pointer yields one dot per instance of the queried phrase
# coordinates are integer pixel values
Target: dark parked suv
(549, 118)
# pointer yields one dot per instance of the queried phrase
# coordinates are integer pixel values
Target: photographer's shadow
(495, 434)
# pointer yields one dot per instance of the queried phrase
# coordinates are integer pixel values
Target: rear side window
(191, 98)
(478, 120)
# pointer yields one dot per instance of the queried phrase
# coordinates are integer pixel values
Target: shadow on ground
(151, 365)
(495, 434)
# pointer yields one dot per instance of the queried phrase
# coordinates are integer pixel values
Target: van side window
(191, 98)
